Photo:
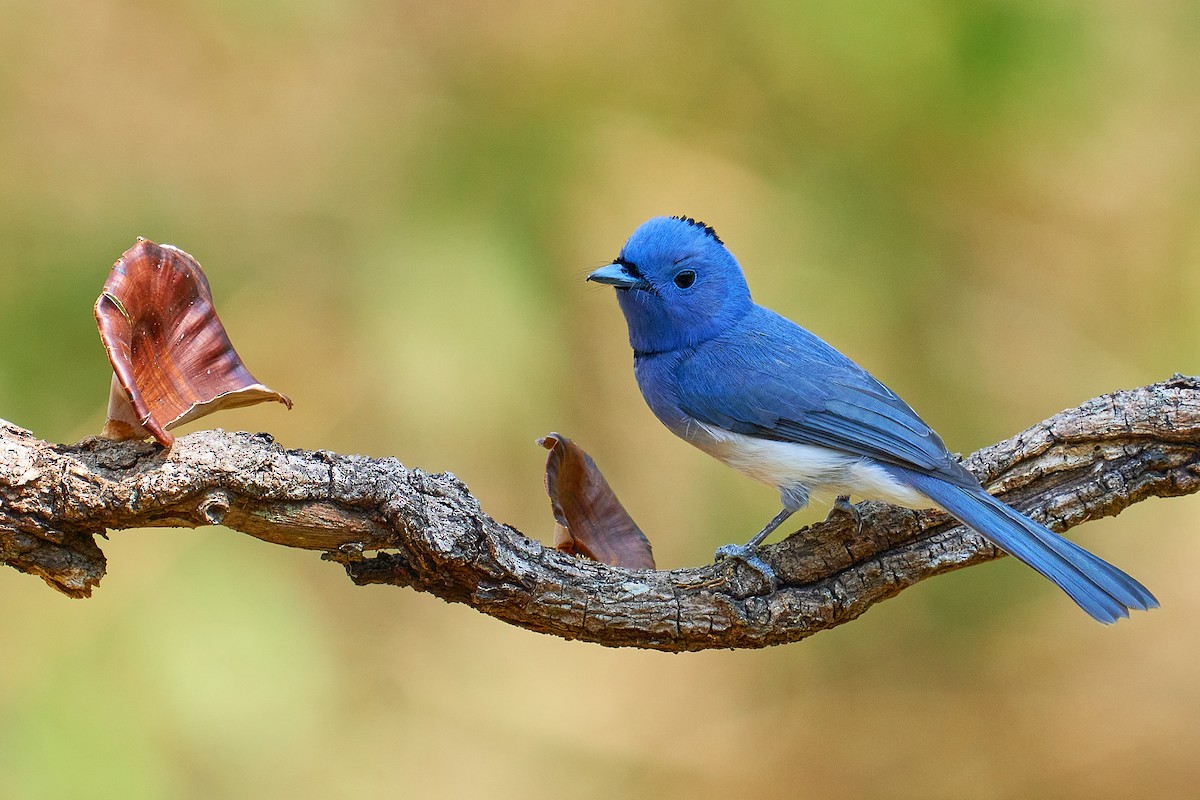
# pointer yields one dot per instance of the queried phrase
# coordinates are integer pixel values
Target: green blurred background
(993, 206)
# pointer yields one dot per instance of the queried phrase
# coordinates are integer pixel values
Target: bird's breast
(656, 381)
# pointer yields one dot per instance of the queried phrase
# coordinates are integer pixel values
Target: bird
(776, 403)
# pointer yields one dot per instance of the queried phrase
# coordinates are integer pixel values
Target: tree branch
(389, 524)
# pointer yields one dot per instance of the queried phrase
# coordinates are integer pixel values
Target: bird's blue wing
(770, 378)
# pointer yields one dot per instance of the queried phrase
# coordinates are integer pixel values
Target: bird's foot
(843, 506)
(748, 555)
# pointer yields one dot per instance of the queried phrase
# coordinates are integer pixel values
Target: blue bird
(773, 401)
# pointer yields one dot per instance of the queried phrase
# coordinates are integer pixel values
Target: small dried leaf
(172, 360)
(590, 519)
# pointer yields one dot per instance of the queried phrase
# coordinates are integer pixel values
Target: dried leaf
(172, 360)
(590, 519)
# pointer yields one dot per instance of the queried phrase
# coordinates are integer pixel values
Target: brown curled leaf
(172, 360)
(590, 519)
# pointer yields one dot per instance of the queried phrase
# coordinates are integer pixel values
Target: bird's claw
(842, 505)
(749, 556)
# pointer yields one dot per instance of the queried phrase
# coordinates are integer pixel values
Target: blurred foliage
(991, 205)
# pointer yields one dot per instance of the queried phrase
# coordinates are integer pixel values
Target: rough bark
(388, 524)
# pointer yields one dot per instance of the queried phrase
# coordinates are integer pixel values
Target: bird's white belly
(825, 473)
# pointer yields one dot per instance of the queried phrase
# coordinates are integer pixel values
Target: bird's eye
(685, 278)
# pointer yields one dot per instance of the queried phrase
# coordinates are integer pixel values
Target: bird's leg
(746, 554)
(793, 497)
(842, 505)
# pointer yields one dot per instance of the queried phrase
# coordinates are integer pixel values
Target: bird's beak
(619, 275)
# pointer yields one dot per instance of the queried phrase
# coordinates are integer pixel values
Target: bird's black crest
(698, 224)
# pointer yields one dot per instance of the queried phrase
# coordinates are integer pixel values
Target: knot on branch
(214, 505)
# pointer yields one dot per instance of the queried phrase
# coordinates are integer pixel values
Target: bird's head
(677, 284)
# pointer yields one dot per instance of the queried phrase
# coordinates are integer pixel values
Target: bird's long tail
(1098, 587)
